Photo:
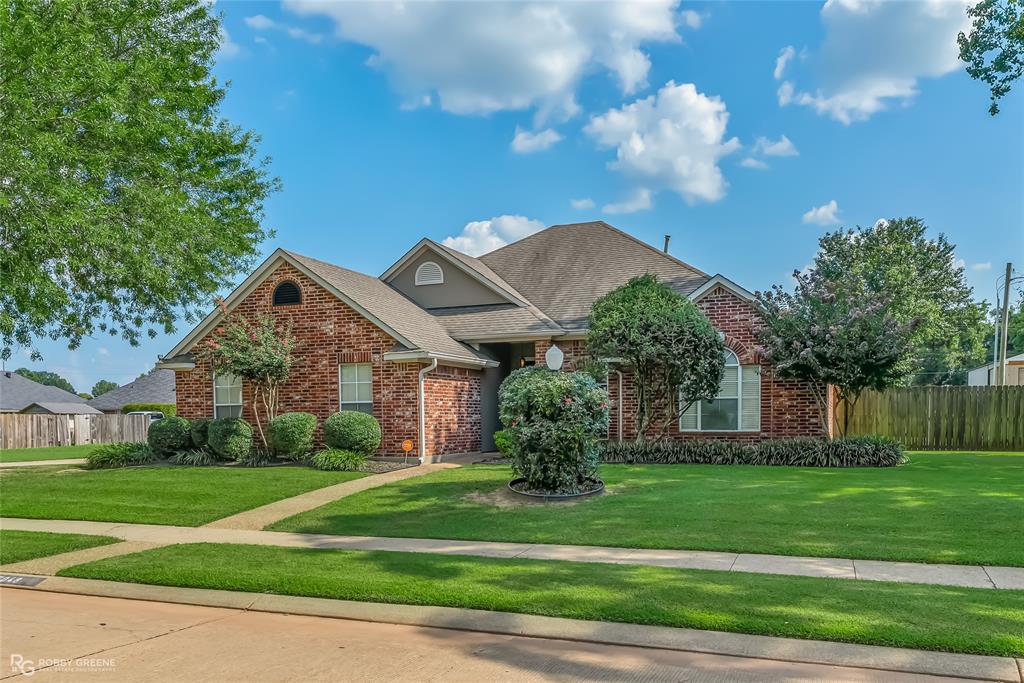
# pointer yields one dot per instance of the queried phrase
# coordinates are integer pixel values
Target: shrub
(168, 409)
(554, 419)
(256, 457)
(201, 432)
(119, 455)
(291, 434)
(503, 442)
(337, 459)
(198, 457)
(230, 437)
(860, 451)
(169, 435)
(351, 430)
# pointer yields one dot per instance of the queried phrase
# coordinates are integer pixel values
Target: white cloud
(751, 162)
(875, 53)
(259, 22)
(526, 142)
(480, 237)
(484, 57)
(673, 139)
(639, 201)
(826, 214)
(228, 48)
(783, 147)
(690, 19)
(582, 204)
(103, 351)
(787, 53)
(260, 40)
(982, 266)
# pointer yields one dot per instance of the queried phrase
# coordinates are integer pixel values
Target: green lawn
(188, 496)
(54, 453)
(953, 508)
(16, 546)
(902, 615)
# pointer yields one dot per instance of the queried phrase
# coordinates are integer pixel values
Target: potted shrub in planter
(554, 421)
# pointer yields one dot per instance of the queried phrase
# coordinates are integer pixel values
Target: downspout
(619, 373)
(423, 417)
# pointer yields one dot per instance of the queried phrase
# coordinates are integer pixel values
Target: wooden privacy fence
(39, 431)
(942, 418)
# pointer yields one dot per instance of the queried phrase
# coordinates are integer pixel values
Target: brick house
(425, 346)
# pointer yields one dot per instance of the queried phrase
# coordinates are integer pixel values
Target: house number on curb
(15, 580)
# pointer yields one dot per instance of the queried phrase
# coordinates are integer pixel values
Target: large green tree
(125, 198)
(919, 280)
(103, 386)
(993, 50)
(50, 379)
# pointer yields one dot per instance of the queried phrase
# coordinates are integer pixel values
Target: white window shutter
(750, 420)
(688, 420)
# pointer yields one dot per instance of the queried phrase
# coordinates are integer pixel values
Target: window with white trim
(429, 273)
(355, 386)
(227, 395)
(736, 408)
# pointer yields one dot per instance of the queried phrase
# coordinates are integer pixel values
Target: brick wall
(452, 409)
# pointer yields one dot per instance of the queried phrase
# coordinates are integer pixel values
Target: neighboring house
(985, 376)
(55, 408)
(155, 387)
(18, 393)
(424, 346)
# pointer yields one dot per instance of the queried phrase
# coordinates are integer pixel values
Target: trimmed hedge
(291, 435)
(857, 451)
(337, 459)
(201, 432)
(351, 430)
(169, 435)
(230, 438)
(168, 409)
(112, 455)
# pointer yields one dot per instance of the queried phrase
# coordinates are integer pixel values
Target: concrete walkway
(868, 570)
(40, 463)
(159, 633)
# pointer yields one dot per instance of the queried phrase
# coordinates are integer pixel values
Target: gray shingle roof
(17, 392)
(60, 408)
(156, 387)
(481, 322)
(562, 270)
(390, 307)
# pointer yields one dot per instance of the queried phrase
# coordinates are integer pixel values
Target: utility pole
(1003, 326)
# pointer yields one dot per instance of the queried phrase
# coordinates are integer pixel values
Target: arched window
(287, 293)
(429, 273)
(737, 407)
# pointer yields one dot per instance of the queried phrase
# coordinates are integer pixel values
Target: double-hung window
(227, 395)
(355, 383)
(736, 408)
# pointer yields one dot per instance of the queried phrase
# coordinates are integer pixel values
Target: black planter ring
(556, 497)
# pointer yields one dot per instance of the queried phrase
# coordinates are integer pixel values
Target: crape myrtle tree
(258, 350)
(125, 198)
(675, 355)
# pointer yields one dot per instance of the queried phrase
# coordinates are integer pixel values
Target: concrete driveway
(76, 637)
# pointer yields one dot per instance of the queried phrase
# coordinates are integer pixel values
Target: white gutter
(423, 417)
(447, 359)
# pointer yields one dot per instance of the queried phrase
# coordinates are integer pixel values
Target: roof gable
(154, 387)
(17, 392)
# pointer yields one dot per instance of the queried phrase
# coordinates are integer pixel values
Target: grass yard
(962, 508)
(903, 615)
(187, 496)
(16, 546)
(53, 453)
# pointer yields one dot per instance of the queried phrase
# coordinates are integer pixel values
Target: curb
(978, 667)
(42, 463)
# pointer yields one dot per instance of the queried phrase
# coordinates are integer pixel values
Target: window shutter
(751, 417)
(688, 420)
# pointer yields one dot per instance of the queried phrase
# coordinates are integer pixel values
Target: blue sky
(386, 125)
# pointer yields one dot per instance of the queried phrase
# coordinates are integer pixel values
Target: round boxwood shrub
(555, 420)
(200, 432)
(351, 430)
(291, 435)
(337, 459)
(169, 435)
(230, 438)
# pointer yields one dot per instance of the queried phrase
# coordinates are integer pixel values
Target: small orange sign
(407, 445)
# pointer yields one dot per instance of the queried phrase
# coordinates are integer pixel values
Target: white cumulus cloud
(480, 237)
(671, 140)
(482, 57)
(875, 53)
(260, 22)
(751, 162)
(982, 266)
(826, 214)
(783, 147)
(640, 200)
(526, 142)
(582, 204)
(787, 53)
